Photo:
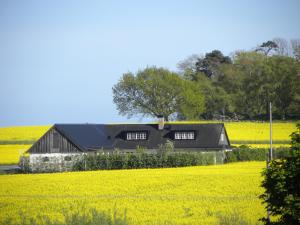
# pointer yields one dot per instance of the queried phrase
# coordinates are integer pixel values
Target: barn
(63, 144)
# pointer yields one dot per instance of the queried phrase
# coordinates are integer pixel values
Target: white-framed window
(222, 137)
(184, 135)
(139, 135)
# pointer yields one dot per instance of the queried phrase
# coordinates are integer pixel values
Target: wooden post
(270, 157)
(271, 143)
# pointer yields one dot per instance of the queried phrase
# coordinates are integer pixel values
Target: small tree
(282, 185)
(163, 151)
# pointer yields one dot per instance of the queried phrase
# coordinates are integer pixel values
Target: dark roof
(108, 136)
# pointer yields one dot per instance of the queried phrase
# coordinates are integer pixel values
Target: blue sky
(60, 59)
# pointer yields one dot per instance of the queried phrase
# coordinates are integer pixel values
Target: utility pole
(270, 157)
(271, 143)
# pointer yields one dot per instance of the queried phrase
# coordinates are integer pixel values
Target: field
(191, 195)
(21, 134)
(257, 134)
(9, 154)
(13, 140)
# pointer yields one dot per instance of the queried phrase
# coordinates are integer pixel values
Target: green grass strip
(17, 142)
(259, 141)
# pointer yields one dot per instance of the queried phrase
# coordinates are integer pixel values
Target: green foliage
(24, 164)
(242, 89)
(85, 217)
(164, 149)
(267, 47)
(282, 186)
(165, 157)
(209, 65)
(217, 86)
(157, 91)
(192, 101)
(140, 149)
(234, 218)
(245, 153)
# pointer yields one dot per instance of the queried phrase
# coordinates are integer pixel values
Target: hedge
(100, 161)
(245, 153)
(118, 160)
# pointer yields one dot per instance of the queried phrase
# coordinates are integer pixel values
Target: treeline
(215, 86)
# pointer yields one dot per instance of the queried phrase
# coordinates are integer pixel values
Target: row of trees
(215, 86)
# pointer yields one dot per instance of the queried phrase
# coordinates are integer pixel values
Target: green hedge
(117, 160)
(100, 161)
(245, 153)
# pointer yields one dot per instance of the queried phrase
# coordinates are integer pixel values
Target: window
(55, 140)
(184, 135)
(222, 137)
(46, 159)
(68, 158)
(141, 135)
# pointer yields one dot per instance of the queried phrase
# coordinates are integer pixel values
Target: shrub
(233, 218)
(282, 186)
(24, 164)
(90, 217)
(245, 153)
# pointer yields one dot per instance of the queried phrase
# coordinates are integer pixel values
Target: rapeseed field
(13, 140)
(10, 154)
(256, 134)
(18, 134)
(191, 195)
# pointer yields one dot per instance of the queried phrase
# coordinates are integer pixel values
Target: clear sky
(60, 59)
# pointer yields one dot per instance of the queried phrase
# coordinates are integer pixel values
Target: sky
(60, 59)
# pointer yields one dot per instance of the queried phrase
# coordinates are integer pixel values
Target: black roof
(109, 136)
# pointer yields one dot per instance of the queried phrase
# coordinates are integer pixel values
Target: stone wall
(52, 162)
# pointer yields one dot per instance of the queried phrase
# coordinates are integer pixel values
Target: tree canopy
(157, 91)
(209, 65)
(216, 86)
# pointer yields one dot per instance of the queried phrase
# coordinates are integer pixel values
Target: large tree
(267, 47)
(257, 84)
(286, 79)
(209, 65)
(264, 79)
(157, 91)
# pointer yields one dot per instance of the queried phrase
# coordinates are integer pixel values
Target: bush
(90, 217)
(233, 218)
(24, 164)
(282, 185)
(245, 153)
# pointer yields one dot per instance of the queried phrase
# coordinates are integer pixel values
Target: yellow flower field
(253, 134)
(12, 141)
(20, 133)
(256, 134)
(237, 131)
(191, 195)
(10, 154)
(249, 131)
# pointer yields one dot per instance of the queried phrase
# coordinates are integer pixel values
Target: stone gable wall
(52, 162)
